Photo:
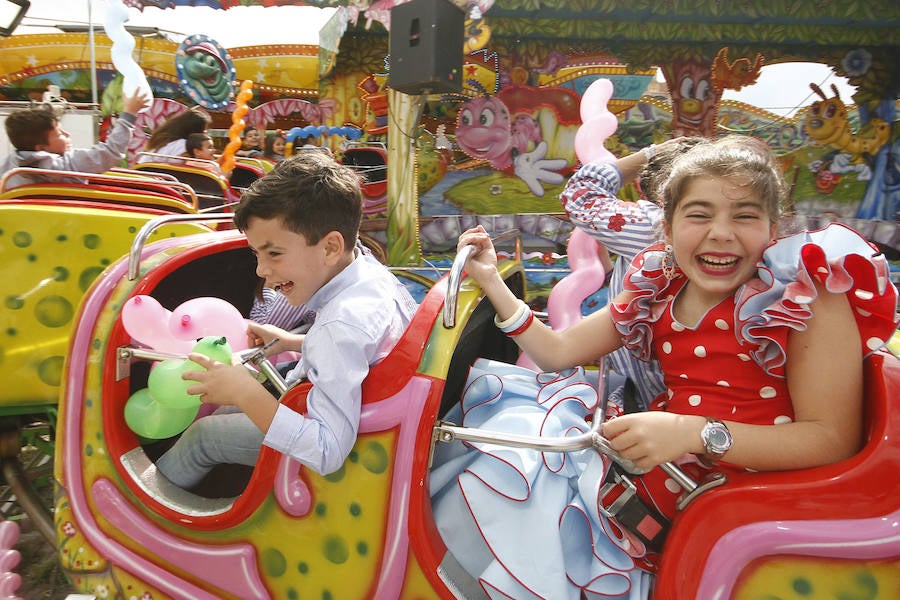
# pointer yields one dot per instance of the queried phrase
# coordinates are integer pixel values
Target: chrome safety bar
(250, 356)
(137, 245)
(116, 175)
(456, 275)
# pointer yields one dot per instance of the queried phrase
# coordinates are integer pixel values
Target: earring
(669, 267)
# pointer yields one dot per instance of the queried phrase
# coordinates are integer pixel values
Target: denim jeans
(226, 436)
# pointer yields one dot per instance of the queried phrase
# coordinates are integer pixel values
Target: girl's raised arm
(584, 342)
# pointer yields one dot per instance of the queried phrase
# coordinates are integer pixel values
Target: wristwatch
(716, 438)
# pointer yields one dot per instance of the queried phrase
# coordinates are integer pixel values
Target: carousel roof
(800, 23)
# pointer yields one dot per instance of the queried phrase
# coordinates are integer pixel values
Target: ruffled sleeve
(650, 294)
(841, 260)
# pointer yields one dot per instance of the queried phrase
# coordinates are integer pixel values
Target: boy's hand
(136, 102)
(220, 383)
(261, 335)
(232, 385)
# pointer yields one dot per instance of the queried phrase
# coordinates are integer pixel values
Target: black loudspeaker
(426, 45)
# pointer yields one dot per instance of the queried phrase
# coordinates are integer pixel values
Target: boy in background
(200, 146)
(41, 143)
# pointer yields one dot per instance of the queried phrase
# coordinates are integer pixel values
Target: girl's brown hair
(735, 156)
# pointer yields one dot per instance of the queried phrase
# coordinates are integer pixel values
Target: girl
(274, 147)
(761, 345)
(169, 138)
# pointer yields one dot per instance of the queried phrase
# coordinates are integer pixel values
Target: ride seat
(752, 516)
(212, 190)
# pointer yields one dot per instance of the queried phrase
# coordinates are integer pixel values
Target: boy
(251, 143)
(302, 221)
(41, 143)
(200, 146)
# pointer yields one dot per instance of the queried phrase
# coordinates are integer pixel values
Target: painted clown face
(483, 130)
(205, 71)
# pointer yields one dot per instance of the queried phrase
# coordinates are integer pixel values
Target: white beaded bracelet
(649, 152)
(515, 321)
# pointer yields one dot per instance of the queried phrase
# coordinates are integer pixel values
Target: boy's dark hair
(195, 142)
(30, 127)
(311, 193)
(178, 127)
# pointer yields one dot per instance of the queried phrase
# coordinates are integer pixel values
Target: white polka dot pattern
(767, 391)
(713, 373)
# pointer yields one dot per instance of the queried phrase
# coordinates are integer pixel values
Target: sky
(239, 26)
(781, 89)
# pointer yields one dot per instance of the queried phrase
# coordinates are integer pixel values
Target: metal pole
(93, 56)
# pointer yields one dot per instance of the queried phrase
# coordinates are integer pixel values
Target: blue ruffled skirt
(525, 523)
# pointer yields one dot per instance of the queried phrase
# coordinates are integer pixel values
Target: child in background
(42, 143)
(250, 146)
(302, 222)
(170, 137)
(199, 146)
(761, 344)
(274, 147)
(624, 228)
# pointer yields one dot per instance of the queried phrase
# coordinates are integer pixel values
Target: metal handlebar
(137, 245)
(126, 177)
(257, 357)
(254, 356)
(454, 280)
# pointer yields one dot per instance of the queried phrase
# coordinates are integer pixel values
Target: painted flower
(69, 529)
(856, 63)
(616, 222)
(101, 590)
(826, 181)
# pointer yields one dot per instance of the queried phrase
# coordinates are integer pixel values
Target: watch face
(718, 438)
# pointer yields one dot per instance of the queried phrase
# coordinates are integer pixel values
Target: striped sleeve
(589, 198)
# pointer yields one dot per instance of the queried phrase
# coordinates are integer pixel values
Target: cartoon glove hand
(533, 168)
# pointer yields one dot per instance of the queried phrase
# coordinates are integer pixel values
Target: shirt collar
(338, 283)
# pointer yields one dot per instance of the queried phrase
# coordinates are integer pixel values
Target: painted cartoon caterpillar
(827, 123)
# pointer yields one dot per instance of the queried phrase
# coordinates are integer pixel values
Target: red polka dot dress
(709, 372)
(730, 365)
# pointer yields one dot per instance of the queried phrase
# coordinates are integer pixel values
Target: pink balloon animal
(9, 560)
(587, 276)
(586, 256)
(176, 332)
(597, 123)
